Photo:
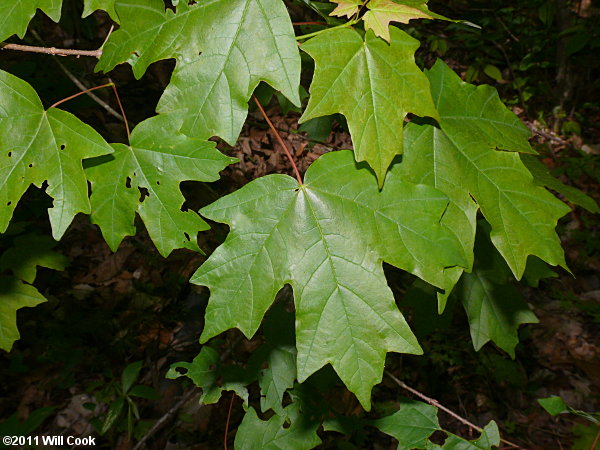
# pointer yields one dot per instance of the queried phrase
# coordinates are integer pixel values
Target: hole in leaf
(9, 203)
(63, 146)
(9, 154)
(187, 236)
(31, 165)
(158, 182)
(128, 183)
(143, 194)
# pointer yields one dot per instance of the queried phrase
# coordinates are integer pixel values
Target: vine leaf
(16, 15)
(465, 153)
(275, 434)
(495, 308)
(89, 6)
(40, 146)
(242, 42)
(346, 8)
(382, 12)
(412, 424)
(14, 295)
(374, 84)
(327, 238)
(144, 177)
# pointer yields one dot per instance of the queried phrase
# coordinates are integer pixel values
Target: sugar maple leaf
(16, 15)
(157, 160)
(327, 238)
(224, 48)
(38, 146)
(374, 84)
(346, 8)
(463, 159)
(382, 12)
(89, 6)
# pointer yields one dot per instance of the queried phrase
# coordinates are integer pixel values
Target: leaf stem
(114, 86)
(280, 140)
(309, 35)
(437, 404)
(228, 418)
(70, 97)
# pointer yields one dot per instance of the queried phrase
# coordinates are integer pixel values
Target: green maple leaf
(411, 425)
(346, 7)
(207, 373)
(16, 15)
(464, 158)
(242, 42)
(89, 6)
(382, 12)
(38, 146)
(275, 434)
(374, 84)
(490, 437)
(495, 308)
(27, 253)
(157, 160)
(14, 295)
(327, 238)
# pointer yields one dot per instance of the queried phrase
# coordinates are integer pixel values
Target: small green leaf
(490, 437)
(130, 375)
(346, 8)
(27, 253)
(273, 434)
(114, 411)
(493, 72)
(206, 369)
(554, 405)
(157, 161)
(374, 84)
(38, 146)
(14, 295)
(382, 12)
(495, 308)
(16, 15)
(411, 425)
(144, 392)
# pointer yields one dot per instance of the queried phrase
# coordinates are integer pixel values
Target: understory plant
(441, 183)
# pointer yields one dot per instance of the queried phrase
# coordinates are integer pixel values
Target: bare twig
(437, 404)
(51, 50)
(166, 417)
(593, 447)
(280, 140)
(546, 135)
(80, 84)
